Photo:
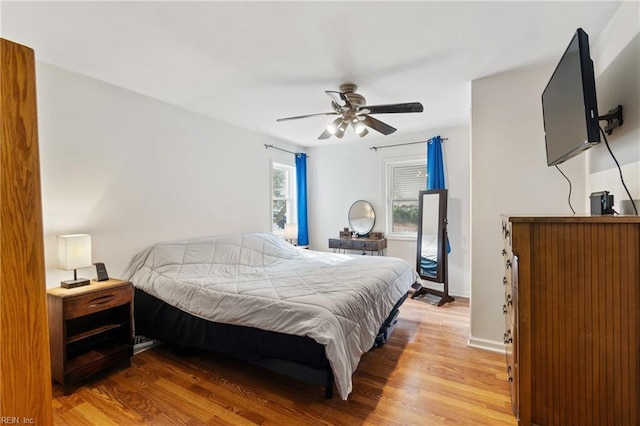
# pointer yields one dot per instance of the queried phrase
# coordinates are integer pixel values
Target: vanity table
(362, 218)
(364, 244)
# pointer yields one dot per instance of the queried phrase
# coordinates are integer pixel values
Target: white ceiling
(248, 63)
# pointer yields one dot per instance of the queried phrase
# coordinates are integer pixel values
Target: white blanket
(261, 281)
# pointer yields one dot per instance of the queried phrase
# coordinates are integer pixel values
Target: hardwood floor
(424, 375)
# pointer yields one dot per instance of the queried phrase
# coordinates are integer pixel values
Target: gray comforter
(259, 280)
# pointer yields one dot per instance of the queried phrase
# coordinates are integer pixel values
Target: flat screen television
(569, 105)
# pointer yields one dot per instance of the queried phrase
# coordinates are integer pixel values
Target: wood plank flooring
(424, 375)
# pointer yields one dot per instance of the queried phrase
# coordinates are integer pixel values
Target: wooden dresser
(572, 293)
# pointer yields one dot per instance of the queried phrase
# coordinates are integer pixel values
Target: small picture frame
(101, 271)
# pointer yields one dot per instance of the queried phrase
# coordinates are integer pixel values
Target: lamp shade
(74, 251)
(290, 231)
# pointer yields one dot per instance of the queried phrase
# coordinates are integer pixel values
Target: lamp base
(74, 283)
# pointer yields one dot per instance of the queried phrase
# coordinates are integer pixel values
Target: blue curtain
(435, 168)
(301, 184)
(435, 165)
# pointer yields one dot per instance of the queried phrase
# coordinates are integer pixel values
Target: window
(283, 196)
(405, 179)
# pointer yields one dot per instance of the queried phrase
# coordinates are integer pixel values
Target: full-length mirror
(362, 217)
(432, 243)
(429, 233)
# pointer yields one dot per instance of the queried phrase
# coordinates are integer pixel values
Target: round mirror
(361, 217)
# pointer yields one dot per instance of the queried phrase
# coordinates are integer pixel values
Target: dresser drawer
(340, 244)
(365, 245)
(97, 301)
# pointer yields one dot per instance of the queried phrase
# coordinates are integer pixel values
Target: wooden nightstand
(89, 329)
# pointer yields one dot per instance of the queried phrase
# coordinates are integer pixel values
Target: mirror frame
(372, 211)
(442, 270)
(441, 233)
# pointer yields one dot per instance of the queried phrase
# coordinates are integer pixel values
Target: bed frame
(298, 357)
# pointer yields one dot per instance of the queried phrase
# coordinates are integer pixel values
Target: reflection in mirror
(362, 218)
(432, 244)
(429, 236)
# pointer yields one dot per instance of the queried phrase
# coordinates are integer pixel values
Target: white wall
(345, 172)
(509, 175)
(131, 171)
(616, 56)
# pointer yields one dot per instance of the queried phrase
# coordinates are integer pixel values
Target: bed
(307, 314)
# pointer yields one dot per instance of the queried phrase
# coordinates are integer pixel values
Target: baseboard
(459, 293)
(487, 345)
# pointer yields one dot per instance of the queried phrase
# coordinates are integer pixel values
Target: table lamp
(290, 232)
(74, 251)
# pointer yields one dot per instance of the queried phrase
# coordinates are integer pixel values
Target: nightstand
(90, 329)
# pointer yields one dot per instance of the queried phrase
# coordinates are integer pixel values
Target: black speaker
(601, 203)
(101, 270)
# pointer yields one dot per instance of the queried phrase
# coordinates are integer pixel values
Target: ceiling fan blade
(325, 135)
(378, 125)
(307, 115)
(338, 98)
(394, 108)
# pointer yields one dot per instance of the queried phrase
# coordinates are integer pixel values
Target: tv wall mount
(613, 117)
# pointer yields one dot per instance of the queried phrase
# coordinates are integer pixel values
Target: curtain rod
(401, 144)
(267, 146)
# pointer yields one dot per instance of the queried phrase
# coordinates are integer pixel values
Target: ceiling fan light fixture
(359, 128)
(343, 126)
(333, 127)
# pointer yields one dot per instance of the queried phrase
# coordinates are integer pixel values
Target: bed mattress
(261, 281)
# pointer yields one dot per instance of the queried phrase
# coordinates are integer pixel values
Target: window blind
(409, 180)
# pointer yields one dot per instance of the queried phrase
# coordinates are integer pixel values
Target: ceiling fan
(352, 111)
